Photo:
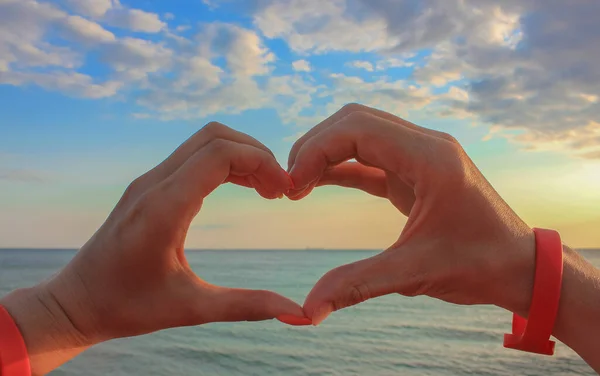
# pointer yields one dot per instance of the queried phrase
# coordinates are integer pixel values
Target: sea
(391, 335)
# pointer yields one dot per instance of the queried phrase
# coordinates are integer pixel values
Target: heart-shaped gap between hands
(458, 243)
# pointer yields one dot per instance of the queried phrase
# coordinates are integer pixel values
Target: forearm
(578, 320)
(50, 337)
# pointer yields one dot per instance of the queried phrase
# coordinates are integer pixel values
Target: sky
(93, 93)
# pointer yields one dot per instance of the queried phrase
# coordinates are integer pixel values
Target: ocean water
(391, 335)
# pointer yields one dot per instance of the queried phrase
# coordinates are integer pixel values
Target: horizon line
(244, 249)
(206, 249)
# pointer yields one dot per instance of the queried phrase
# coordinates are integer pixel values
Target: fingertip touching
(294, 320)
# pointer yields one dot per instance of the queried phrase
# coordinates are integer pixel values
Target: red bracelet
(533, 334)
(14, 360)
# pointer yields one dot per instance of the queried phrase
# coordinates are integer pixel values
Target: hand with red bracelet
(462, 243)
(132, 276)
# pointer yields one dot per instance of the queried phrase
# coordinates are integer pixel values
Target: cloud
(87, 32)
(527, 69)
(22, 27)
(397, 96)
(71, 83)
(135, 20)
(26, 30)
(301, 66)
(526, 65)
(135, 58)
(321, 26)
(202, 88)
(23, 176)
(115, 14)
(92, 8)
(592, 155)
(381, 65)
(361, 64)
(394, 62)
(242, 48)
(293, 138)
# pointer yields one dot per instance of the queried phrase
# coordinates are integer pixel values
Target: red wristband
(14, 360)
(533, 334)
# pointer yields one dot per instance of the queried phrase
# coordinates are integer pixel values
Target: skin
(132, 276)
(462, 243)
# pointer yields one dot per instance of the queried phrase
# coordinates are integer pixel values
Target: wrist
(50, 337)
(514, 286)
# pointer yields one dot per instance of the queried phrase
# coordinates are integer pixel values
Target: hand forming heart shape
(132, 276)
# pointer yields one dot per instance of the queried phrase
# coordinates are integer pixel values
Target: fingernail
(280, 196)
(321, 313)
(294, 320)
(298, 191)
(292, 186)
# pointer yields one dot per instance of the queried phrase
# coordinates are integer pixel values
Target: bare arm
(462, 242)
(578, 321)
(132, 276)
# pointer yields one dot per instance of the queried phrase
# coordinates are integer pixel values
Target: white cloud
(397, 96)
(242, 48)
(135, 58)
(361, 64)
(524, 66)
(301, 66)
(115, 14)
(92, 8)
(182, 28)
(22, 45)
(72, 83)
(321, 26)
(87, 32)
(135, 20)
(393, 62)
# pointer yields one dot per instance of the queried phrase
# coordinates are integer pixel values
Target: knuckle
(450, 138)
(354, 294)
(449, 148)
(356, 119)
(351, 290)
(134, 188)
(146, 212)
(132, 192)
(352, 107)
(450, 159)
(214, 128)
(359, 115)
(218, 146)
(447, 137)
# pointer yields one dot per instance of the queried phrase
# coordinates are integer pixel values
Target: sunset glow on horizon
(93, 93)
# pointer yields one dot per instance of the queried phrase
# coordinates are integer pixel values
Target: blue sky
(95, 92)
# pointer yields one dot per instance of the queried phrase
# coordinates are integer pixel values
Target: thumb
(356, 175)
(233, 304)
(351, 284)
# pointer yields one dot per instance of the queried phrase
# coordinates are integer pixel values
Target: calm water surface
(392, 335)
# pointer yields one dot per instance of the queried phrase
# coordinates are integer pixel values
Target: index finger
(375, 141)
(182, 194)
(347, 110)
(201, 138)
